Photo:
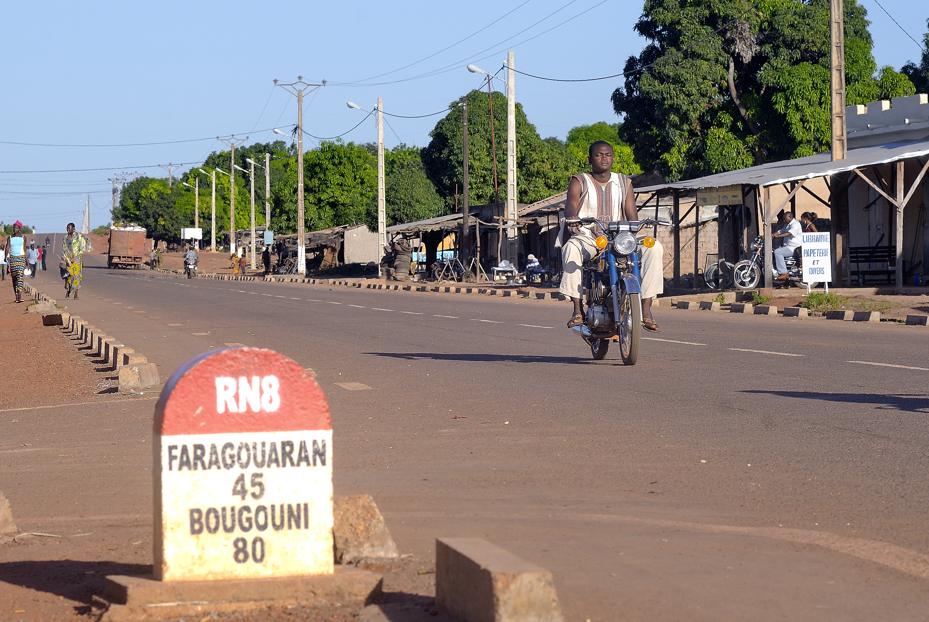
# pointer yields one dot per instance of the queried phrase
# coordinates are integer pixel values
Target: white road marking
(685, 343)
(380, 309)
(474, 319)
(358, 306)
(175, 324)
(296, 298)
(234, 344)
(411, 312)
(333, 302)
(242, 291)
(764, 352)
(199, 334)
(353, 386)
(286, 296)
(533, 326)
(272, 295)
(448, 317)
(889, 365)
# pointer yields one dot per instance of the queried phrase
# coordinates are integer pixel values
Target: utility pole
(837, 27)
(213, 212)
(381, 183)
(251, 179)
(197, 202)
(465, 204)
(267, 191)
(512, 242)
(298, 88)
(232, 141)
(85, 224)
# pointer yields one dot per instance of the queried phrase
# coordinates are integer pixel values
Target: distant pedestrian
(234, 261)
(242, 264)
(43, 251)
(32, 259)
(72, 260)
(3, 262)
(16, 256)
(266, 260)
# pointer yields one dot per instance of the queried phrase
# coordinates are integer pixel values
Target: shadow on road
(905, 402)
(75, 580)
(486, 358)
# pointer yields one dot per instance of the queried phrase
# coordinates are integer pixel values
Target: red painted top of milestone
(241, 390)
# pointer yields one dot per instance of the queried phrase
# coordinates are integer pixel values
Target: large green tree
(410, 195)
(151, 203)
(918, 73)
(340, 185)
(443, 156)
(581, 137)
(724, 84)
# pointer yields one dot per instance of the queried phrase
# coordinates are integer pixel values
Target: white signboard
(191, 233)
(817, 257)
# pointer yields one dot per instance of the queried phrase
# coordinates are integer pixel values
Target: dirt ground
(46, 368)
(890, 307)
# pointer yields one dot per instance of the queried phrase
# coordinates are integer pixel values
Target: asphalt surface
(746, 467)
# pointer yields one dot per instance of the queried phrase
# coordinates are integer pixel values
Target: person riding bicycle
(606, 196)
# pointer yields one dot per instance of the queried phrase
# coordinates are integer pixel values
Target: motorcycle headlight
(624, 243)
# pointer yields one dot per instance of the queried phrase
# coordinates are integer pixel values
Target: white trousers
(581, 248)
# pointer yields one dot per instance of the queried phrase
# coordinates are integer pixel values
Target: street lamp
(381, 191)
(212, 177)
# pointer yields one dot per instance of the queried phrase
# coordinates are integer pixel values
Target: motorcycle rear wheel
(746, 275)
(629, 327)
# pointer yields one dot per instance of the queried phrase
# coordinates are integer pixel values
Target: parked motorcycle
(612, 293)
(190, 269)
(746, 274)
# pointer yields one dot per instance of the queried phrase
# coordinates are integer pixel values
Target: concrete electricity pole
(837, 21)
(267, 191)
(512, 242)
(465, 203)
(251, 180)
(381, 190)
(298, 88)
(232, 141)
(212, 208)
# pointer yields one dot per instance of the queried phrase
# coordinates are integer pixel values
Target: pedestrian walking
(16, 256)
(32, 259)
(266, 260)
(242, 264)
(72, 261)
(43, 252)
(3, 262)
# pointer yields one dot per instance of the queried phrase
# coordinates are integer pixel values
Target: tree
(410, 195)
(724, 84)
(443, 158)
(919, 74)
(340, 185)
(150, 203)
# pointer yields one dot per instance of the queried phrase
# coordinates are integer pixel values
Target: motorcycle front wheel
(746, 274)
(629, 327)
(599, 347)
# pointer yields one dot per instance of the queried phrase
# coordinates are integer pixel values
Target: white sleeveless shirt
(604, 201)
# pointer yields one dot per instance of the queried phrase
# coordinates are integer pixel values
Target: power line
(89, 170)
(458, 63)
(445, 49)
(146, 144)
(61, 193)
(531, 75)
(900, 26)
(354, 127)
(415, 116)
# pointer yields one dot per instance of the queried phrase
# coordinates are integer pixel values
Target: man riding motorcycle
(608, 196)
(190, 258)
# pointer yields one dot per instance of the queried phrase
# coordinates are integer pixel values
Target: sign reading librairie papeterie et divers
(817, 257)
(243, 470)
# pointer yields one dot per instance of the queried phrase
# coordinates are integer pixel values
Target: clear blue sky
(119, 72)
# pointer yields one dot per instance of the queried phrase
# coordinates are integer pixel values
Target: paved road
(747, 467)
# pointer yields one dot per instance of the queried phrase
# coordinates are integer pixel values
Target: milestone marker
(243, 470)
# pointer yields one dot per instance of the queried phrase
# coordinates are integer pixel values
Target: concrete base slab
(479, 582)
(144, 598)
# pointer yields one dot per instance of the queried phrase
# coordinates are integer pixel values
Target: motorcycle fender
(631, 284)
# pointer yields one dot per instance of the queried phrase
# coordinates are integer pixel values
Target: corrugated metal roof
(430, 224)
(820, 165)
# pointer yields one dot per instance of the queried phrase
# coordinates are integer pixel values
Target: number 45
(256, 484)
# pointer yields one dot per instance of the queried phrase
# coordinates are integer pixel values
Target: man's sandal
(650, 324)
(576, 320)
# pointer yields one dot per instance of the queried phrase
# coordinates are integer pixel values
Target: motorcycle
(190, 268)
(746, 274)
(612, 294)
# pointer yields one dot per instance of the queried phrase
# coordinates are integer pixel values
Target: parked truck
(127, 247)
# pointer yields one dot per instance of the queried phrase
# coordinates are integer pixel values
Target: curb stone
(765, 310)
(798, 312)
(742, 307)
(844, 315)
